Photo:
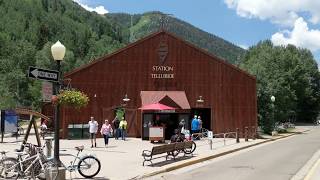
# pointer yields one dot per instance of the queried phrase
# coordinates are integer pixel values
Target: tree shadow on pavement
(169, 161)
(97, 178)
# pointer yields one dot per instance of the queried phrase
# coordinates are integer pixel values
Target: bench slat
(162, 149)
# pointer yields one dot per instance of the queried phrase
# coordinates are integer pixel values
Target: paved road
(279, 160)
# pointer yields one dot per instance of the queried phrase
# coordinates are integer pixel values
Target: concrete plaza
(122, 159)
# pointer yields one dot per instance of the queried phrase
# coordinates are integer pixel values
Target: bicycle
(204, 132)
(27, 165)
(180, 137)
(3, 156)
(83, 164)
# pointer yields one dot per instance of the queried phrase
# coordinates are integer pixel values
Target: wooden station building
(164, 68)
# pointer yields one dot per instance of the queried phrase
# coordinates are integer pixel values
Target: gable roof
(214, 57)
(177, 97)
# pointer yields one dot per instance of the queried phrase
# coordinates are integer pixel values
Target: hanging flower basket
(73, 98)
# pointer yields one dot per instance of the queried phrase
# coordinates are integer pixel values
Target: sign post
(210, 136)
(2, 117)
(43, 74)
(47, 91)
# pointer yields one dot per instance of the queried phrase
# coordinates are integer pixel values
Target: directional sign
(43, 74)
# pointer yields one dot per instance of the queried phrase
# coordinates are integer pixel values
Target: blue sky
(242, 22)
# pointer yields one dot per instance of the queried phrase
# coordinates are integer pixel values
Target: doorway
(205, 114)
(169, 120)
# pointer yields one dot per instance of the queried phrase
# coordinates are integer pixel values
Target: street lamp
(58, 51)
(273, 99)
(126, 99)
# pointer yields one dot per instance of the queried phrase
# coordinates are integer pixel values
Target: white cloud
(283, 12)
(98, 9)
(243, 46)
(300, 36)
(289, 15)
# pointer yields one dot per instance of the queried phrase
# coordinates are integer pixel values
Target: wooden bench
(172, 149)
(156, 150)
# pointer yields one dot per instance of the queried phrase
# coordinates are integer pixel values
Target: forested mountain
(28, 28)
(139, 25)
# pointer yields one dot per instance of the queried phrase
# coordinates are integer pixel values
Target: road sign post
(43, 74)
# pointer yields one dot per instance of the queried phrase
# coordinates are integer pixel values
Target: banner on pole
(47, 91)
(11, 121)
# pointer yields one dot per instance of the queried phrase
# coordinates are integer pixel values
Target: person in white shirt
(93, 128)
(43, 129)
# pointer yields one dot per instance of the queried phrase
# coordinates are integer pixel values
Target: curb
(306, 171)
(213, 156)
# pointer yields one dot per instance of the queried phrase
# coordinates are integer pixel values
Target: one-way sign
(43, 74)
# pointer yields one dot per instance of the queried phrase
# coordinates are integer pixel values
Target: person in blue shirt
(194, 125)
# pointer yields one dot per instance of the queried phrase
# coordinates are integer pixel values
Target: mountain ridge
(137, 26)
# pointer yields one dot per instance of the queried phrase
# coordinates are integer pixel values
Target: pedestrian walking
(200, 123)
(195, 125)
(43, 129)
(93, 128)
(106, 131)
(123, 126)
(182, 126)
(116, 124)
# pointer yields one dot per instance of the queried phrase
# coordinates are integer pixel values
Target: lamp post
(95, 106)
(273, 99)
(199, 102)
(58, 51)
(126, 99)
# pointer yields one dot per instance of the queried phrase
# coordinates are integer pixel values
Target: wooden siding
(227, 90)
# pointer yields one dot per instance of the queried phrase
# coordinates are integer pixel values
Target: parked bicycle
(180, 137)
(31, 164)
(3, 156)
(204, 132)
(88, 166)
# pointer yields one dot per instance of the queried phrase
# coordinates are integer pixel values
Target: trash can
(85, 131)
(74, 131)
(70, 131)
(78, 131)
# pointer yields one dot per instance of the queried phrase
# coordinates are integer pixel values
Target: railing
(224, 136)
(247, 133)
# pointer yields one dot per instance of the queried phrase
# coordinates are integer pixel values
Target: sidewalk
(122, 159)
